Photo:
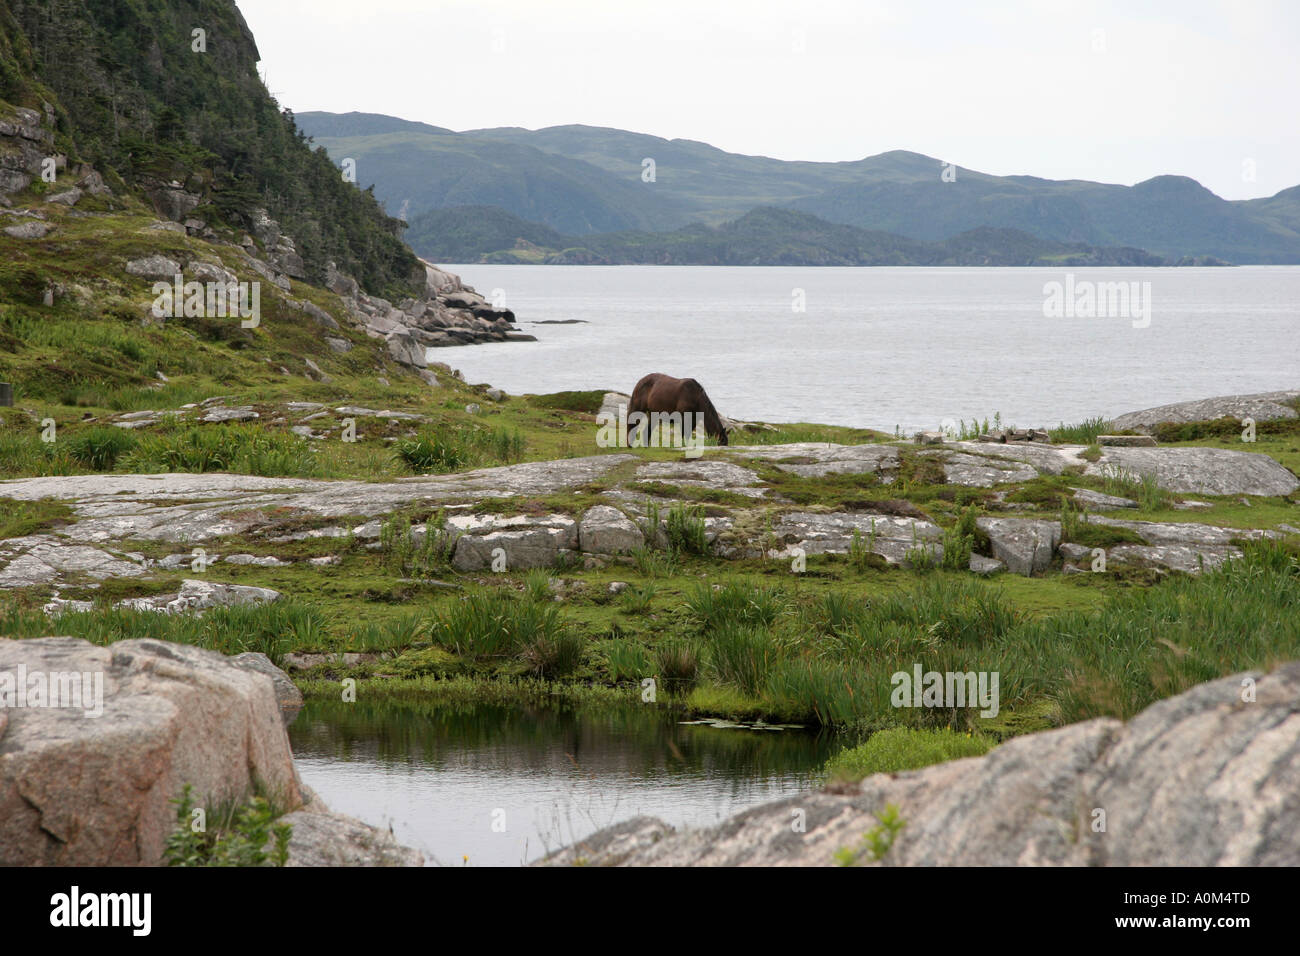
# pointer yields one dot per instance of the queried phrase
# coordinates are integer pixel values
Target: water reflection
(503, 785)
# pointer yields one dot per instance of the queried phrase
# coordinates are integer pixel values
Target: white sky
(1115, 92)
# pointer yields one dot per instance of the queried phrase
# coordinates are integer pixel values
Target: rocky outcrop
(79, 788)
(1206, 778)
(1262, 407)
(172, 715)
(26, 141)
(1024, 545)
(447, 312)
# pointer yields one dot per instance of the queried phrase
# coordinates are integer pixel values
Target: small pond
(506, 785)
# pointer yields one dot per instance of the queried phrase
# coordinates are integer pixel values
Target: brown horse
(657, 392)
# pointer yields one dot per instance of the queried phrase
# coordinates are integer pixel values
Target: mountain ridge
(898, 191)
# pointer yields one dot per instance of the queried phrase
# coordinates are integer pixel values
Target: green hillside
(148, 103)
(579, 180)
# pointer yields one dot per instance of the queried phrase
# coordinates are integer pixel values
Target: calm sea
(881, 347)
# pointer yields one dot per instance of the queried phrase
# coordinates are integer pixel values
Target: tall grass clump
(1084, 433)
(445, 448)
(742, 656)
(685, 530)
(99, 448)
(273, 629)
(496, 626)
(414, 551)
(735, 603)
(1141, 487)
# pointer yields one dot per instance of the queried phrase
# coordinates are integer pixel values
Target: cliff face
(162, 97)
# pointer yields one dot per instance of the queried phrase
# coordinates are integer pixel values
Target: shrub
(232, 836)
(685, 530)
(959, 541)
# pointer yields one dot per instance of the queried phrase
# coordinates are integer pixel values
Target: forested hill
(160, 108)
(766, 236)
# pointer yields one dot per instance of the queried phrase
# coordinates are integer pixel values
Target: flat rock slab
(1101, 502)
(1201, 471)
(815, 459)
(208, 506)
(1046, 459)
(1174, 557)
(1024, 545)
(1184, 532)
(1261, 406)
(48, 559)
(978, 471)
(702, 473)
(1202, 763)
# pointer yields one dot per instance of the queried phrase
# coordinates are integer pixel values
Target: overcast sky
(1115, 92)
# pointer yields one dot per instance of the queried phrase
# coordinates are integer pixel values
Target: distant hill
(581, 180)
(766, 236)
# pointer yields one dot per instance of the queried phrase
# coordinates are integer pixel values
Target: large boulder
(154, 267)
(1206, 778)
(81, 790)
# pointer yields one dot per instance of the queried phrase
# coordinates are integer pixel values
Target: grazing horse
(657, 392)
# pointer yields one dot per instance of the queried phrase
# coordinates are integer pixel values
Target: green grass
(903, 748)
(21, 518)
(272, 629)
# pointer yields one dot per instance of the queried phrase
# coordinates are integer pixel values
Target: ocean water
(894, 347)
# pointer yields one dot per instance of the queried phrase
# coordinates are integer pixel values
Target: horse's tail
(712, 420)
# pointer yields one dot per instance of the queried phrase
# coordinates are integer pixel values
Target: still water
(505, 785)
(880, 347)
